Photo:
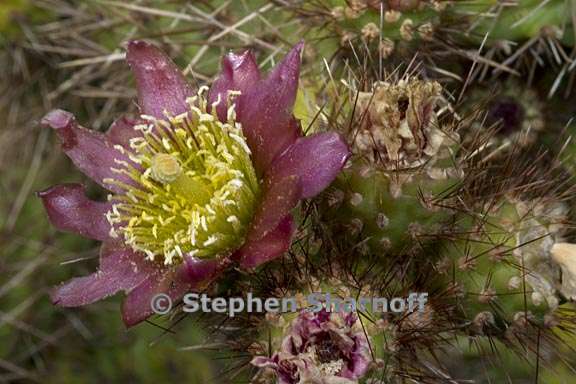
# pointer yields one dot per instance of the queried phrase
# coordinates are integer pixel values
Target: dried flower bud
(399, 123)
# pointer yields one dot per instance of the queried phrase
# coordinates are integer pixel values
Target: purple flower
(323, 347)
(196, 183)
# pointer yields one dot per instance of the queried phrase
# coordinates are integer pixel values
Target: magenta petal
(92, 152)
(238, 73)
(161, 84)
(194, 274)
(122, 130)
(265, 111)
(199, 271)
(271, 246)
(263, 362)
(278, 200)
(70, 210)
(120, 269)
(316, 159)
(137, 305)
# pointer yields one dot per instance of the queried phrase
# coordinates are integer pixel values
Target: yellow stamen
(194, 191)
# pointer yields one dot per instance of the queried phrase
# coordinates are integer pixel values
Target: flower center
(509, 113)
(327, 351)
(193, 189)
(327, 357)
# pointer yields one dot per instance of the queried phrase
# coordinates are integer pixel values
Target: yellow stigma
(193, 190)
(165, 168)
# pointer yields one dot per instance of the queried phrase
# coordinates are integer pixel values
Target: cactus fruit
(404, 165)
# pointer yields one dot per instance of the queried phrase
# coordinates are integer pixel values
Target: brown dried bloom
(398, 123)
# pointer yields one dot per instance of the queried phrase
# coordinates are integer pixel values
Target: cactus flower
(322, 347)
(199, 181)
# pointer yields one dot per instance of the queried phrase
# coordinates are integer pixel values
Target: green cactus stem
(404, 167)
